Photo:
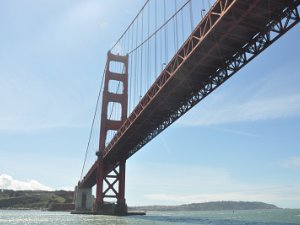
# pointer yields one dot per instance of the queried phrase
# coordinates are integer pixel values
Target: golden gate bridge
(163, 65)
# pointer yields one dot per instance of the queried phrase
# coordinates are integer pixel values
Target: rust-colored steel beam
(103, 171)
(106, 123)
(222, 34)
(231, 34)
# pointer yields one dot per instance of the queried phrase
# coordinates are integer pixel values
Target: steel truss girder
(108, 97)
(274, 30)
(207, 23)
(288, 19)
(114, 175)
(263, 39)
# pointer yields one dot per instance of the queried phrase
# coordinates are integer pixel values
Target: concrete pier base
(95, 213)
(111, 209)
(83, 199)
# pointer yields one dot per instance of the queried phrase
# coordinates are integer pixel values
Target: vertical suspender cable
(191, 16)
(176, 26)
(136, 62)
(174, 30)
(166, 37)
(149, 56)
(155, 48)
(142, 55)
(141, 72)
(131, 72)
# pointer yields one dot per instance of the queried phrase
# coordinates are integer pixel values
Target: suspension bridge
(161, 66)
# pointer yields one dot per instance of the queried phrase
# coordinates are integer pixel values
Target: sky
(240, 143)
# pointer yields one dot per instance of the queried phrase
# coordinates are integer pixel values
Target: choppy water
(255, 217)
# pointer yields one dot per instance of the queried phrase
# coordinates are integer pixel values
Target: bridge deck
(228, 26)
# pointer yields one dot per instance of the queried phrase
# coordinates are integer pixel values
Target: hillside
(10, 199)
(43, 199)
(209, 206)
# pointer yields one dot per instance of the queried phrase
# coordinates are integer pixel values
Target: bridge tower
(111, 177)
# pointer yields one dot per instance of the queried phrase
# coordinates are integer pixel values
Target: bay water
(241, 217)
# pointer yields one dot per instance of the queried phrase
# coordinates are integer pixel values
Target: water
(253, 217)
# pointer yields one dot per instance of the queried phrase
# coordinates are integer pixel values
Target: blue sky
(241, 143)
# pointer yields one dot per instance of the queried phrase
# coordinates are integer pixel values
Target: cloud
(277, 195)
(30, 103)
(282, 196)
(174, 177)
(180, 185)
(48, 80)
(67, 188)
(231, 196)
(80, 22)
(247, 101)
(82, 19)
(7, 182)
(292, 162)
(264, 109)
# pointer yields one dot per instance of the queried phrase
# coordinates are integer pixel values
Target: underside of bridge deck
(231, 34)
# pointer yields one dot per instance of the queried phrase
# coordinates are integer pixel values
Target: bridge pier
(106, 189)
(86, 204)
(111, 175)
(83, 199)
(111, 209)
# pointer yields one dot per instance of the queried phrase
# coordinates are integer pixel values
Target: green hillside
(10, 199)
(43, 199)
(209, 206)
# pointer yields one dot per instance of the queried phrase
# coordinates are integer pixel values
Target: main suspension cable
(91, 130)
(162, 26)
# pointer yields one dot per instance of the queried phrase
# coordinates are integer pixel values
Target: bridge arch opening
(114, 111)
(117, 67)
(115, 87)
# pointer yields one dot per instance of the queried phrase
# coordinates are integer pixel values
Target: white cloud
(231, 196)
(43, 86)
(7, 182)
(30, 103)
(186, 184)
(282, 196)
(82, 18)
(276, 196)
(293, 162)
(273, 96)
(264, 109)
(67, 188)
(81, 22)
(176, 177)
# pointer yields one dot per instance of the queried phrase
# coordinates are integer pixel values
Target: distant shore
(33, 200)
(209, 206)
(62, 201)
